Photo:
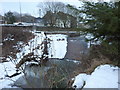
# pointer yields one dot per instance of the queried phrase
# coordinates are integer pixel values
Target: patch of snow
(20, 43)
(32, 44)
(2, 72)
(1, 44)
(7, 25)
(9, 38)
(5, 83)
(9, 82)
(80, 80)
(2, 57)
(104, 76)
(58, 50)
(73, 40)
(32, 62)
(58, 45)
(23, 24)
(75, 61)
(7, 68)
(90, 36)
(93, 43)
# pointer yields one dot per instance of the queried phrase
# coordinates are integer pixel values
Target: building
(60, 19)
(39, 21)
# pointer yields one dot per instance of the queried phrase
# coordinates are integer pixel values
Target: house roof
(58, 14)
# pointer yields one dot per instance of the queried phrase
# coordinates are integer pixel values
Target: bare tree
(25, 17)
(58, 14)
(54, 7)
(50, 10)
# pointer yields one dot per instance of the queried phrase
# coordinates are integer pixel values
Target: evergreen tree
(104, 22)
(9, 17)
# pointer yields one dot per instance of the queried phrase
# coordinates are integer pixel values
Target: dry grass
(95, 63)
(17, 34)
(95, 58)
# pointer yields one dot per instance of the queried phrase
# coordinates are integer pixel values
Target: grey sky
(28, 6)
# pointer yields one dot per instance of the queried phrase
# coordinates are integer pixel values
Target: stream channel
(64, 54)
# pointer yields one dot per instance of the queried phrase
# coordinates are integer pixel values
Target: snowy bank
(57, 46)
(104, 76)
(57, 49)
(7, 69)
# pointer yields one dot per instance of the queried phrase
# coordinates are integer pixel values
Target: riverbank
(12, 41)
(70, 46)
(100, 71)
(103, 77)
(14, 37)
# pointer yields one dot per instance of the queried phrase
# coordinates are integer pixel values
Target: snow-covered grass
(58, 46)
(8, 68)
(32, 44)
(104, 76)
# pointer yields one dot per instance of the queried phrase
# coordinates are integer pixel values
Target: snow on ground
(80, 80)
(90, 36)
(104, 76)
(9, 82)
(7, 68)
(58, 45)
(32, 44)
(57, 49)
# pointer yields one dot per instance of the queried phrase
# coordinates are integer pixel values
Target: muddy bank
(11, 40)
(96, 58)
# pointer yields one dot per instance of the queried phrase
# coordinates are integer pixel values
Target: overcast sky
(28, 6)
